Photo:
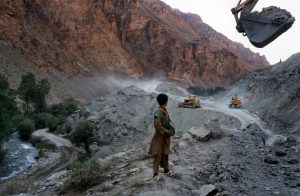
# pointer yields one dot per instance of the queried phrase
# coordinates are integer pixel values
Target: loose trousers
(161, 160)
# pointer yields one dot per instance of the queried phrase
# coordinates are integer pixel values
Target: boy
(160, 144)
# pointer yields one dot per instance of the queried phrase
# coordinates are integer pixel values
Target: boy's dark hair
(162, 99)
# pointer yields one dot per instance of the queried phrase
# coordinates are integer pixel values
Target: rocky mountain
(274, 94)
(132, 37)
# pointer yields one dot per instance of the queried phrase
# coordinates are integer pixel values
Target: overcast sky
(218, 15)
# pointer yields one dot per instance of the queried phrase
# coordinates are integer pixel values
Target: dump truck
(192, 101)
(235, 102)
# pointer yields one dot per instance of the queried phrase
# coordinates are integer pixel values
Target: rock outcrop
(274, 94)
(132, 37)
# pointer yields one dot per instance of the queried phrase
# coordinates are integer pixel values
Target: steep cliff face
(139, 38)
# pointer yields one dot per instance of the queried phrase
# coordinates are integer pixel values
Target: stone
(280, 151)
(187, 136)
(134, 170)
(270, 159)
(85, 112)
(297, 149)
(124, 131)
(213, 178)
(207, 190)
(292, 160)
(200, 133)
(291, 141)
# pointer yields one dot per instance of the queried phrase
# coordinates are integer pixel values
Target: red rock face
(140, 38)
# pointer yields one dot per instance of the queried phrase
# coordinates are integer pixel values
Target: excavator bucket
(263, 27)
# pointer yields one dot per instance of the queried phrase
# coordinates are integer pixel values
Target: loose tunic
(160, 143)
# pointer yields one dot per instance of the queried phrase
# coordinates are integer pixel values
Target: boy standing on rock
(160, 144)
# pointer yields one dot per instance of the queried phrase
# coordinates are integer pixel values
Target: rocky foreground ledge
(211, 154)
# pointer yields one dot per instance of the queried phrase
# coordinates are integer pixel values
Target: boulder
(208, 190)
(200, 133)
(270, 159)
(280, 151)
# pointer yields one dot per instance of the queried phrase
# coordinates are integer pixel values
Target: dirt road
(56, 140)
(68, 154)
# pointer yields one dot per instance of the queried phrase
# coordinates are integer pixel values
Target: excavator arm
(261, 28)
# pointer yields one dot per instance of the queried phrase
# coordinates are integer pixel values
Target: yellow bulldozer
(192, 101)
(235, 102)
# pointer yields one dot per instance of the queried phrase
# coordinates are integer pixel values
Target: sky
(218, 15)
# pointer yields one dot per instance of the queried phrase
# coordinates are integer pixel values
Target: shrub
(45, 120)
(66, 108)
(83, 134)
(25, 128)
(68, 129)
(57, 109)
(15, 121)
(4, 86)
(88, 175)
(2, 154)
(18, 184)
(70, 105)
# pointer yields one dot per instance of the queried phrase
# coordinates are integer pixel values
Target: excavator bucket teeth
(261, 28)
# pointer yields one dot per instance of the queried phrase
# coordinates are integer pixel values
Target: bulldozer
(235, 102)
(263, 27)
(192, 101)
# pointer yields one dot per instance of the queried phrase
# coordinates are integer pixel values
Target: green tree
(4, 86)
(83, 134)
(2, 154)
(42, 90)
(33, 93)
(7, 109)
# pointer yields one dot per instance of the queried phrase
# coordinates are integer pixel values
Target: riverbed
(19, 156)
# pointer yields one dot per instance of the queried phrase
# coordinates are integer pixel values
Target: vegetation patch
(43, 147)
(16, 185)
(83, 134)
(25, 128)
(89, 174)
(45, 120)
(2, 155)
(34, 113)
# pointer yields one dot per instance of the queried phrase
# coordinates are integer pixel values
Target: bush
(15, 121)
(4, 86)
(88, 175)
(2, 154)
(83, 134)
(45, 120)
(25, 128)
(70, 105)
(57, 109)
(66, 108)
(43, 147)
(16, 185)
